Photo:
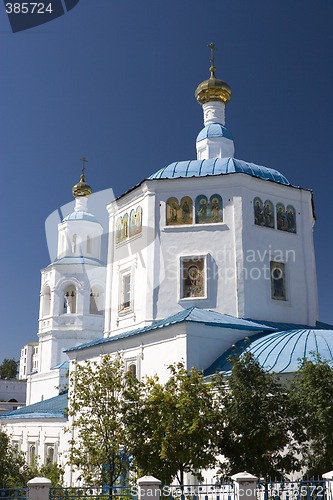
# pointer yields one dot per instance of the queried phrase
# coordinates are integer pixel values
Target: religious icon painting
(268, 214)
(258, 212)
(201, 209)
(216, 208)
(291, 219)
(281, 221)
(135, 221)
(138, 214)
(125, 226)
(278, 289)
(172, 212)
(193, 277)
(119, 230)
(132, 223)
(186, 209)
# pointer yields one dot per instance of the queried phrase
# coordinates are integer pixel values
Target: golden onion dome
(213, 89)
(81, 188)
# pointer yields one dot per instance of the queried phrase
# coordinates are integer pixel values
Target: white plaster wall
(134, 255)
(41, 386)
(226, 245)
(82, 229)
(295, 250)
(13, 389)
(42, 432)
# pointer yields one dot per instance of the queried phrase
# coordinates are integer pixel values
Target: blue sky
(115, 80)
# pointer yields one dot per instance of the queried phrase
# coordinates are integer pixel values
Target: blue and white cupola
(80, 232)
(214, 140)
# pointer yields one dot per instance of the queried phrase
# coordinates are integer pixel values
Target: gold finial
(213, 89)
(212, 68)
(81, 188)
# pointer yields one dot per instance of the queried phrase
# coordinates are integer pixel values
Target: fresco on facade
(286, 219)
(129, 225)
(179, 213)
(208, 212)
(186, 210)
(172, 212)
(263, 212)
(278, 281)
(193, 282)
(281, 221)
(119, 230)
(125, 226)
(291, 219)
(135, 221)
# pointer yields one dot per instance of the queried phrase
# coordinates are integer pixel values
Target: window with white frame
(32, 453)
(193, 277)
(49, 453)
(125, 292)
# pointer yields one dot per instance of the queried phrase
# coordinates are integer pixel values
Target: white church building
(201, 255)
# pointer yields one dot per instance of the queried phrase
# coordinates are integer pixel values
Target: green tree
(8, 368)
(312, 398)
(172, 427)
(98, 448)
(50, 470)
(256, 433)
(11, 464)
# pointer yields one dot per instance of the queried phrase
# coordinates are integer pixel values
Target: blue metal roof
(49, 408)
(194, 315)
(280, 352)
(81, 216)
(214, 130)
(218, 166)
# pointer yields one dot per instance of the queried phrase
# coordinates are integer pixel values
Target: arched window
(132, 369)
(50, 454)
(96, 301)
(32, 453)
(70, 300)
(88, 244)
(74, 243)
(46, 301)
(63, 244)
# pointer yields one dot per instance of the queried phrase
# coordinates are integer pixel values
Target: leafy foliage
(312, 399)
(98, 448)
(172, 427)
(11, 463)
(50, 470)
(8, 368)
(256, 431)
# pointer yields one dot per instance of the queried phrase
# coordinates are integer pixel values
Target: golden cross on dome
(213, 48)
(84, 161)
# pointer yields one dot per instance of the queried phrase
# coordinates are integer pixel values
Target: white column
(245, 486)
(149, 488)
(39, 488)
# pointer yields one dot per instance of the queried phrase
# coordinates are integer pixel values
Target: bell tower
(71, 298)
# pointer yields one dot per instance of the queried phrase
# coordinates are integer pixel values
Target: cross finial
(213, 48)
(84, 161)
